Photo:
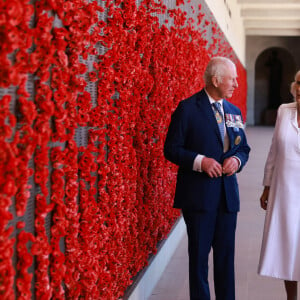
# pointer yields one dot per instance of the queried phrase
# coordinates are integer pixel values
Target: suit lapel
(207, 112)
(294, 118)
(229, 130)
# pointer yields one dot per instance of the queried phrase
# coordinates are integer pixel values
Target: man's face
(228, 82)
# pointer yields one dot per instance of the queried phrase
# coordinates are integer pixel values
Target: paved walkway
(249, 286)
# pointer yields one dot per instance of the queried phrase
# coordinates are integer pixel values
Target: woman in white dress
(280, 250)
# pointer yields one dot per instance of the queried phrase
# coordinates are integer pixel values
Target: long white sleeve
(272, 156)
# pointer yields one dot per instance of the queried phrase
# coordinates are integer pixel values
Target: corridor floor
(173, 285)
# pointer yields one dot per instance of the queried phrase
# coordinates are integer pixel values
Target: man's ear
(215, 81)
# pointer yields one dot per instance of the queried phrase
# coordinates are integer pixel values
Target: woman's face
(297, 88)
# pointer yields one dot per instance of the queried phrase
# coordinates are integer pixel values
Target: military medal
(234, 121)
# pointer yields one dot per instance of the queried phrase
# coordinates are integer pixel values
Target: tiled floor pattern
(173, 285)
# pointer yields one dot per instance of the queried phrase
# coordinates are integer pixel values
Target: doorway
(274, 72)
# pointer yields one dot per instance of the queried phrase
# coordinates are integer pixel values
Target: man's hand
(230, 166)
(211, 167)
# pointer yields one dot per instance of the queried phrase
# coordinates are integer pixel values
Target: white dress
(280, 250)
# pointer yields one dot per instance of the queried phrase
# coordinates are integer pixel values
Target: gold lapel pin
(237, 140)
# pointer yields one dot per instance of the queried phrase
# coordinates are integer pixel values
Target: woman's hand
(264, 198)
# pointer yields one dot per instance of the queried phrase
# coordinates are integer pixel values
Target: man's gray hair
(217, 67)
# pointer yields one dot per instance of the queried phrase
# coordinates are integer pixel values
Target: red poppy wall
(87, 89)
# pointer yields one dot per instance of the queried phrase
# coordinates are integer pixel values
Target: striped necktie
(219, 117)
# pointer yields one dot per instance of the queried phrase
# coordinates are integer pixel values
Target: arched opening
(274, 72)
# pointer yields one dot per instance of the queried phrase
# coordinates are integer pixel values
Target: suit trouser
(206, 230)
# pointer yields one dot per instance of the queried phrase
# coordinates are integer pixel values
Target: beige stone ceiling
(271, 17)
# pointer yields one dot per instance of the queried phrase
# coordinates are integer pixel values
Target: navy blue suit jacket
(194, 130)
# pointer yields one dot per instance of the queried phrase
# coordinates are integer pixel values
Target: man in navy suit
(209, 145)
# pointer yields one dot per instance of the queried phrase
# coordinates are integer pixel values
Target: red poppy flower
(110, 189)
